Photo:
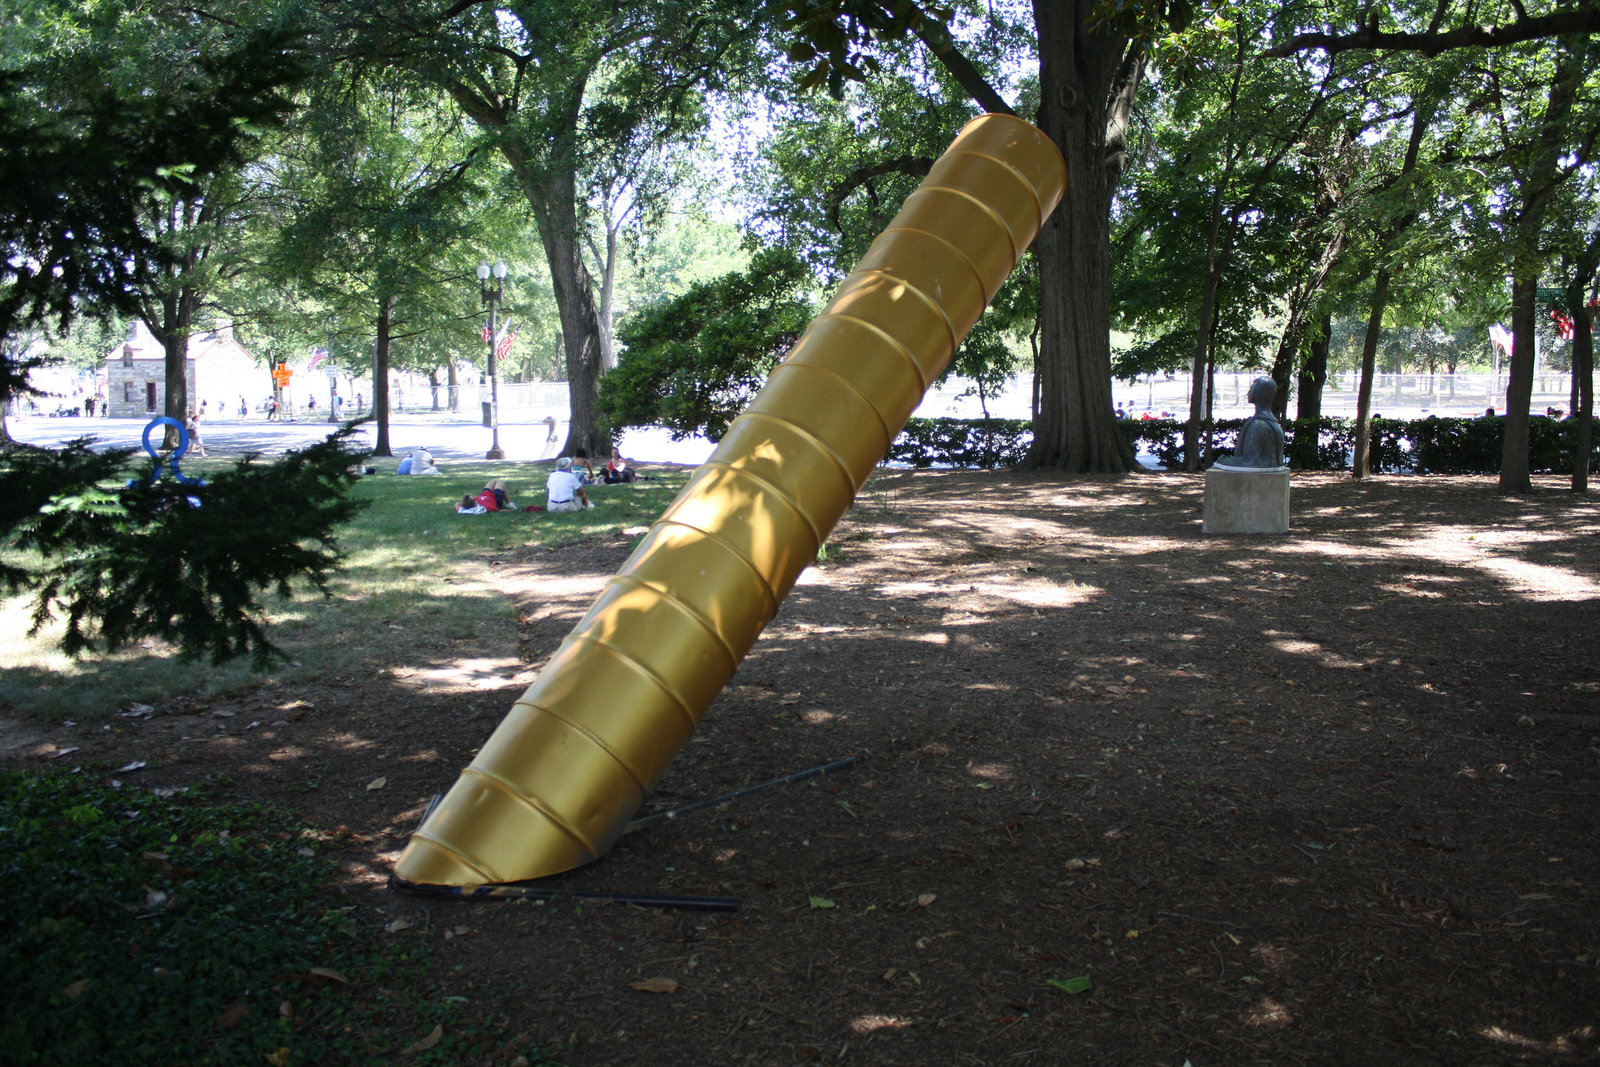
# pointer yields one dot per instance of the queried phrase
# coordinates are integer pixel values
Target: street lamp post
(491, 295)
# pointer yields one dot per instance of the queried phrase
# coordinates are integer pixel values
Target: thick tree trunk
(1536, 188)
(1075, 427)
(1308, 410)
(171, 329)
(1583, 381)
(557, 216)
(1282, 372)
(1514, 469)
(550, 183)
(1362, 466)
(380, 376)
(1200, 367)
(608, 290)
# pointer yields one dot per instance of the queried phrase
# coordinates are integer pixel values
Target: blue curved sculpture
(177, 453)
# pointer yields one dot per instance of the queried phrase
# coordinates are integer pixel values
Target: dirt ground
(1125, 794)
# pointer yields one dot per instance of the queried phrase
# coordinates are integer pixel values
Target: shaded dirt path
(1323, 798)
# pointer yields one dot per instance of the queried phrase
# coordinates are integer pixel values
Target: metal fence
(1399, 396)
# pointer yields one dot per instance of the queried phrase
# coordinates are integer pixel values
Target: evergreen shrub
(1432, 445)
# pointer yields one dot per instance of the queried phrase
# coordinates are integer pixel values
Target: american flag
(317, 356)
(1501, 338)
(503, 345)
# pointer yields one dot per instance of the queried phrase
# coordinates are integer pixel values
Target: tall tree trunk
(380, 376)
(1583, 370)
(1583, 381)
(1308, 411)
(1282, 373)
(1515, 475)
(172, 328)
(1200, 368)
(557, 217)
(1536, 188)
(1421, 116)
(551, 186)
(608, 290)
(1087, 73)
(1294, 331)
(1362, 466)
(452, 385)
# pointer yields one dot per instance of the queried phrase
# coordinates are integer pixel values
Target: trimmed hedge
(1432, 445)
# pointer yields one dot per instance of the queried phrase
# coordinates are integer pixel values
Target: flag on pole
(486, 331)
(504, 344)
(317, 356)
(1501, 338)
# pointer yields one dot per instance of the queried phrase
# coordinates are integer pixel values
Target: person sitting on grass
(422, 463)
(617, 470)
(565, 491)
(582, 467)
(468, 505)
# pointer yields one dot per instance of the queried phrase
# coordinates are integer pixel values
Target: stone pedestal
(1246, 500)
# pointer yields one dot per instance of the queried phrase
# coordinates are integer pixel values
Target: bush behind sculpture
(1432, 445)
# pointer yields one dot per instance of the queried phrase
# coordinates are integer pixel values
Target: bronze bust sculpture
(1260, 441)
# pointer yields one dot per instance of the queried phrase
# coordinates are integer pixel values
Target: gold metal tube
(561, 776)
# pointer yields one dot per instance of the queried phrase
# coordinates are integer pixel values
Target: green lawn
(399, 553)
(242, 955)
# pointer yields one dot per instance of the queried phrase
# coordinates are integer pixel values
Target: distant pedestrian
(311, 405)
(244, 409)
(197, 446)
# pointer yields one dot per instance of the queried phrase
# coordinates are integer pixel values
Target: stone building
(217, 371)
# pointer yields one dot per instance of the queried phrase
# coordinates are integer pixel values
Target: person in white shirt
(422, 462)
(565, 492)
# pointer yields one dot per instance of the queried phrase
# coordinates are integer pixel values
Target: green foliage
(134, 923)
(831, 38)
(94, 116)
(160, 558)
(32, 479)
(1420, 446)
(692, 363)
(395, 551)
(377, 207)
(150, 930)
(969, 443)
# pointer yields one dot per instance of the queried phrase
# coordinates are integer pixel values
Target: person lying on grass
(497, 500)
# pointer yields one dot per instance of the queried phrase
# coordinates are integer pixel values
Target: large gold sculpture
(571, 763)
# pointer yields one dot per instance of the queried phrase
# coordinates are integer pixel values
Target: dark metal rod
(514, 891)
(701, 805)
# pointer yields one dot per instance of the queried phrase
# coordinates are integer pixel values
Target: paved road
(446, 436)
